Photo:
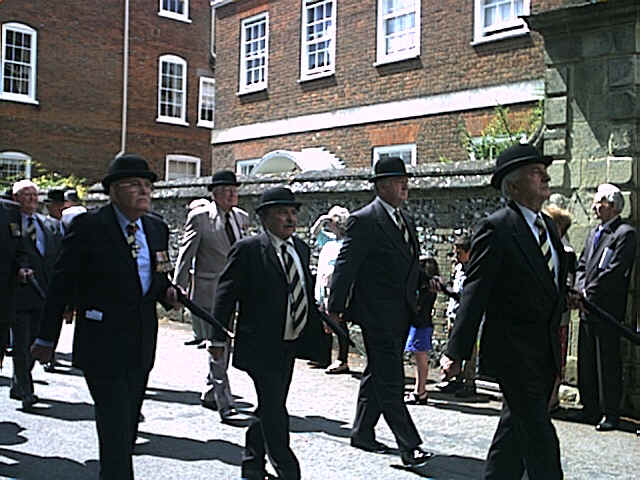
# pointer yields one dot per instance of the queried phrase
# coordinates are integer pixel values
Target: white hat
(20, 184)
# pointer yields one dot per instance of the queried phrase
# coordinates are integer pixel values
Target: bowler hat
(277, 196)
(54, 195)
(71, 196)
(127, 166)
(389, 167)
(223, 177)
(514, 157)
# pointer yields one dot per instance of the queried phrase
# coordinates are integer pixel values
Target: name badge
(15, 230)
(93, 315)
(163, 264)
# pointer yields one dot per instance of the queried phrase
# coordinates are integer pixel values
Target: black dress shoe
(194, 341)
(372, 446)
(607, 423)
(449, 387)
(210, 404)
(28, 402)
(416, 457)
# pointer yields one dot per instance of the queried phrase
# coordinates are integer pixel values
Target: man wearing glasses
(113, 268)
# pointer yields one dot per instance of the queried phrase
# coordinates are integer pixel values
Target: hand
(449, 367)
(68, 316)
(171, 297)
(41, 353)
(576, 300)
(434, 284)
(24, 274)
(336, 317)
(326, 328)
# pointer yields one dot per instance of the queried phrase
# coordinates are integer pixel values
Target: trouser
(525, 438)
(218, 387)
(201, 329)
(25, 327)
(610, 383)
(468, 375)
(269, 433)
(117, 400)
(382, 392)
(343, 346)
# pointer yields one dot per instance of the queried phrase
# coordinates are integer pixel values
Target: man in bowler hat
(267, 276)
(378, 269)
(113, 269)
(208, 235)
(516, 278)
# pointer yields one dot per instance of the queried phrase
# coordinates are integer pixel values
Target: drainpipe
(125, 80)
(215, 4)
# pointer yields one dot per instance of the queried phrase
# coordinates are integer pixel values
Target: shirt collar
(277, 241)
(529, 215)
(608, 223)
(388, 207)
(123, 221)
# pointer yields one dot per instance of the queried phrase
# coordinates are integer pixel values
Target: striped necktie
(297, 296)
(132, 228)
(403, 228)
(543, 242)
(229, 228)
(31, 231)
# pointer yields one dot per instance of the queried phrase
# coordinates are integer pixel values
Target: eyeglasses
(135, 185)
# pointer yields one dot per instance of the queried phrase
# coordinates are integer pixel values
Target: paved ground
(182, 440)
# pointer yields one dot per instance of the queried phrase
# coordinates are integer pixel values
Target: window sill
(500, 36)
(310, 78)
(253, 90)
(205, 125)
(172, 121)
(175, 16)
(18, 99)
(387, 61)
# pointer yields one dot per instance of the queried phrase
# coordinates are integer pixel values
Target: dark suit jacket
(385, 275)
(254, 278)
(604, 274)
(96, 271)
(27, 298)
(12, 257)
(509, 283)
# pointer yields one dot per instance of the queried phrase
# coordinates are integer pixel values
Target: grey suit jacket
(604, 272)
(205, 240)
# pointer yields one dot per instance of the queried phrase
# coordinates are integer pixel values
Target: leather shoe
(210, 404)
(194, 341)
(372, 446)
(416, 457)
(607, 423)
(29, 401)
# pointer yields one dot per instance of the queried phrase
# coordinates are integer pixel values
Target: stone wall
(592, 118)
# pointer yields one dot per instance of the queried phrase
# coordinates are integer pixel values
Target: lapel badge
(162, 262)
(15, 230)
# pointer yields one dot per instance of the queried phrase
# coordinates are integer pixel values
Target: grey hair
(611, 194)
(509, 179)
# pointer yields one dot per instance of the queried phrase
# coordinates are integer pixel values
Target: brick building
(357, 80)
(62, 85)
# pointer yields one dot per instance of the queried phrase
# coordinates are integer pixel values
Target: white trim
(411, 147)
(173, 59)
(256, 86)
(514, 28)
(19, 157)
(201, 122)
(33, 65)
(247, 163)
(182, 17)
(485, 97)
(414, 51)
(329, 35)
(181, 159)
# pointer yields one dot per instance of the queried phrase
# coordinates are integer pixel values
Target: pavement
(182, 440)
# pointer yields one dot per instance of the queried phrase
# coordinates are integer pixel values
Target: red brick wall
(437, 138)
(447, 61)
(76, 128)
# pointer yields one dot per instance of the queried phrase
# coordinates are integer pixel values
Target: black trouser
(525, 438)
(117, 400)
(25, 327)
(611, 365)
(382, 392)
(269, 433)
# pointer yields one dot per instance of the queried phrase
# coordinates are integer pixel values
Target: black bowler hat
(514, 157)
(223, 177)
(127, 166)
(389, 167)
(277, 196)
(54, 195)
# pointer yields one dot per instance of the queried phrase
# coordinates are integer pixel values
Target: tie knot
(132, 228)
(540, 224)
